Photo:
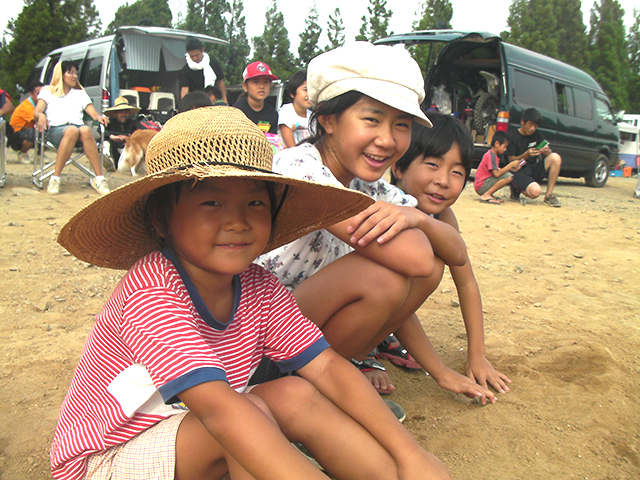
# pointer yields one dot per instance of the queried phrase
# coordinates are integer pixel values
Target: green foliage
(157, 11)
(308, 47)
(44, 25)
(238, 50)
(534, 26)
(609, 60)
(207, 17)
(377, 25)
(335, 31)
(435, 14)
(273, 46)
(572, 37)
(633, 40)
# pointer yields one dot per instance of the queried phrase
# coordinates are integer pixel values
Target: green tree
(208, 17)
(572, 35)
(238, 44)
(309, 37)
(377, 25)
(609, 60)
(273, 46)
(335, 30)
(42, 26)
(435, 14)
(633, 40)
(533, 25)
(157, 11)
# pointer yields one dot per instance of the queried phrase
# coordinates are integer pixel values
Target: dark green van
(488, 83)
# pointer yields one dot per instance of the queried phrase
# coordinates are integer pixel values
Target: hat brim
(113, 231)
(113, 110)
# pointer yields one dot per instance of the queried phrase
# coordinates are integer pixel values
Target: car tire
(598, 175)
(484, 111)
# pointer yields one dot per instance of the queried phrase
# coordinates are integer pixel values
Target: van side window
(532, 90)
(53, 60)
(564, 97)
(603, 110)
(90, 72)
(584, 106)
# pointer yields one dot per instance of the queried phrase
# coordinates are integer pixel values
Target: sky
(467, 14)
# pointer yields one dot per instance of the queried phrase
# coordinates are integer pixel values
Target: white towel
(205, 66)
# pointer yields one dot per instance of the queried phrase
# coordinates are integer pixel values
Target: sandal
(368, 365)
(390, 349)
(491, 201)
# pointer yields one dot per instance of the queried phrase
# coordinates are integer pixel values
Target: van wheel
(598, 175)
(485, 109)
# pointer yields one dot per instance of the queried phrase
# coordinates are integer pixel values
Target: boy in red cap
(256, 82)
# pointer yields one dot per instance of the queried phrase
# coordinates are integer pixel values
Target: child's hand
(481, 371)
(533, 152)
(456, 383)
(515, 165)
(381, 221)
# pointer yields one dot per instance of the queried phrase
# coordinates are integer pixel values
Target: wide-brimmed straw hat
(208, 142)
(387, 74)
(120, 104)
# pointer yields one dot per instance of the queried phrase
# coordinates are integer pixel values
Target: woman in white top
(60, 109)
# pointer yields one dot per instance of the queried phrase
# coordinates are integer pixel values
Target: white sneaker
(54, 186)
(24, 158)
(100, 186)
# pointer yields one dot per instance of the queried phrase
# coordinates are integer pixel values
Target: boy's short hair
(193, 100)
(194, 44)
(531, 115)
(436, 141)
(500, 137)
(296, 80)
(213, 90)
(33, 85)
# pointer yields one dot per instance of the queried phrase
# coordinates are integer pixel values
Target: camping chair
(3, 151)
(162, 106)
(42, 170)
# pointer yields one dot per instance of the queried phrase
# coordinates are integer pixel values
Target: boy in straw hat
(120, 127)
(161, 388)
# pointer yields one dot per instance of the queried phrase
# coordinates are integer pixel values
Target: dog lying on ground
(132, 156)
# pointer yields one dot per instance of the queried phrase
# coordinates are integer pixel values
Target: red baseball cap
(258, 69)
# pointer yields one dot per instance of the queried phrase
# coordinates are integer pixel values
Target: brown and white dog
(132, 156)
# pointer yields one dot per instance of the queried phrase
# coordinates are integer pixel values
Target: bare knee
(534, 190)
(71, 133)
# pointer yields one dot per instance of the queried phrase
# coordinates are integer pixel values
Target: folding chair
(162, 106)
(3, 151)
(42, 170)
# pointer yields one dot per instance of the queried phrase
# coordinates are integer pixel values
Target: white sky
(467, 14)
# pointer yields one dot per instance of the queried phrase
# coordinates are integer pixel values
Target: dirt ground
(561, 293)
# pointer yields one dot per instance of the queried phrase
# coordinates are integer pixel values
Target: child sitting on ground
(293, 118)
(161, 387)
(434, 171)
(489, 176)
(256, 82)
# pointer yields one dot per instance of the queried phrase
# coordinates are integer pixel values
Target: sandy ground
(561, 290)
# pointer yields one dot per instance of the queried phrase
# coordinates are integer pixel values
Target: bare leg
(90, 149)
(340, 444)
(552, 164)
(499, 184)
(69, 140)
(533, 190)
(199, 456)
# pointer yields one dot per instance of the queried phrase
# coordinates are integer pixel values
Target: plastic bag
(442, 99)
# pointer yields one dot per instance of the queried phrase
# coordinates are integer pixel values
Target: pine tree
(308, 47)
(377, 25)
(435, 14)
(272, 47)
(609, 60)
(572, 36)
(157, 11)
(238, 44)
(335, 30)
(42, 26)
(533, 25)
(633, 40)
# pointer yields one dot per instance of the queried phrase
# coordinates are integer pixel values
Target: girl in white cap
(363, 278)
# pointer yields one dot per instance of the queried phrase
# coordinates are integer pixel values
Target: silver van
(140, 63)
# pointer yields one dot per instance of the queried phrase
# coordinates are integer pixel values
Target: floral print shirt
(295, 262)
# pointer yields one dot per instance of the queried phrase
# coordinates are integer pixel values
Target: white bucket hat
(384, 73)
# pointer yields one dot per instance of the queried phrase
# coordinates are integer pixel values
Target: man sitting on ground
(22, 122)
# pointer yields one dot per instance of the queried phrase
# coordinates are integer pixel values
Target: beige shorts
(150, 455)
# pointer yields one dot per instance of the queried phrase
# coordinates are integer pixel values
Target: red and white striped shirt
(155, 338)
